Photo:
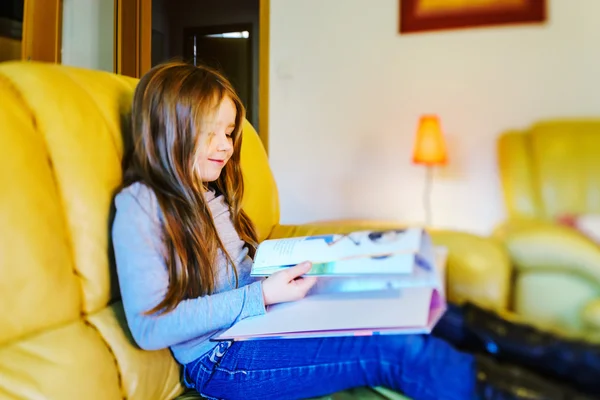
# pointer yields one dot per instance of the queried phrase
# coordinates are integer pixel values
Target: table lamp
(429, 150)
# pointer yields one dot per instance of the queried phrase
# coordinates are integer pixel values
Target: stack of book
(369, 282)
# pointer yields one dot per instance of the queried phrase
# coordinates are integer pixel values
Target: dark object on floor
(498, 381)
(480, 331)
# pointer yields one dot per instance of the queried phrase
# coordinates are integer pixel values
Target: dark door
(228, 49)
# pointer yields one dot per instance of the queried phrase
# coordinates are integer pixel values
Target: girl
(184, 248)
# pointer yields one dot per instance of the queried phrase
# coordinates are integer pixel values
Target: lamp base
(427, 194)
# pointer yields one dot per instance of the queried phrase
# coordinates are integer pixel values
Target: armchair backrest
(63, 135)
(551, 169)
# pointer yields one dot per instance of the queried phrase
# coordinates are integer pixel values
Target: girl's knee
(400, 347)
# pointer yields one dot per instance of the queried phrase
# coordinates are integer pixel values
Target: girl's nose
(224, 143)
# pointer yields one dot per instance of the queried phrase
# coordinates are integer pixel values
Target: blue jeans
(422, 367)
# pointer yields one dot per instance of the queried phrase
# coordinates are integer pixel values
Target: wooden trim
(58, 18)
(116, 33)
(145, 36)
(133, 37)
(125, 37)
(532, 11)
(263, 71)
(42, 30)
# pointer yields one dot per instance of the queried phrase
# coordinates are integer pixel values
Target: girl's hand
(288, 285)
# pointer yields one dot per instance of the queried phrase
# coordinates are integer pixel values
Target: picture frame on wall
(433, 15)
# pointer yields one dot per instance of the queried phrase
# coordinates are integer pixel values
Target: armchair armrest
(478, 268)
(590, 315)
(539, 245)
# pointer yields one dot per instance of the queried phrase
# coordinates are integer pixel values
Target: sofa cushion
(586, 224)
(360, 393)
(69, 362)
(143, 374)
(77, 116)
(37, 285)
(261, 199)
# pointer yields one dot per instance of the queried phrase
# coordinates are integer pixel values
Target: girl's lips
(216, 161)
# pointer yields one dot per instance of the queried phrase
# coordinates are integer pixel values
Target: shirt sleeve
(143, 281)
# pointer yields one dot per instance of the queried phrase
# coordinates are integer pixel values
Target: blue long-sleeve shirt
(143, 279)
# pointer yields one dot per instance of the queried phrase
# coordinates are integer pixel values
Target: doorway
(227, 48)
(11, 29)
(228, 35)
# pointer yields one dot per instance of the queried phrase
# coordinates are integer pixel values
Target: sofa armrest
(478, 268)
(539, 245)
(325, 227)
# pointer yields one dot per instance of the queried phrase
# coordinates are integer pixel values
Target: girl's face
(215, 144)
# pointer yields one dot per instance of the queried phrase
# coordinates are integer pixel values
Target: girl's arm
(143, 280)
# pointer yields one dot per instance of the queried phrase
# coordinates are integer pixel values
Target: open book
(386, 252)
(369, 304)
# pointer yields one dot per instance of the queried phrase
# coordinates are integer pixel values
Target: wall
(346, 91)
(88, 34)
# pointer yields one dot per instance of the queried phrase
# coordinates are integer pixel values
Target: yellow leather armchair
(63, 334)
(548, 171)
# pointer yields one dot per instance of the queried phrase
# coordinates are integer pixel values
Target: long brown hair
(170, 104)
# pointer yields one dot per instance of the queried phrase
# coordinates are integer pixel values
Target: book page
(322, 249)
(358, 266)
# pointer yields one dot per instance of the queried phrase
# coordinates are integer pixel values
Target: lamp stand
(427, 194)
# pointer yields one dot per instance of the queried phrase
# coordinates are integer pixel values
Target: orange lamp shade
(430, 147)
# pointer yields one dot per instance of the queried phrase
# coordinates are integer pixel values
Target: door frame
(42, 31)
(264, 15)
(133, 37)
(133, 46)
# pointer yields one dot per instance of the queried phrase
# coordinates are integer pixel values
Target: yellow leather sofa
(62, 330)
(548, 171)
